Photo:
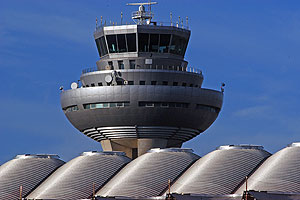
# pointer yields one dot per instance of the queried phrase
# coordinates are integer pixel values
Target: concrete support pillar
(136, 147)
(128, 146)
(146, 144)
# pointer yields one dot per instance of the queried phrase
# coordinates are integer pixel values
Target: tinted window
(132, 64)
(153, 47)
(99, 47)
(121, 43)
(143, 42)
(164, 43)
(131, 42)
(112, 43)
(121, 64)
(103, 45)
(178, 45)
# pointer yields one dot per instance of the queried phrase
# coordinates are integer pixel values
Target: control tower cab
(142, 94)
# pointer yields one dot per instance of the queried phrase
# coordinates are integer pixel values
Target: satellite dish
(108, 79)
(74, 85)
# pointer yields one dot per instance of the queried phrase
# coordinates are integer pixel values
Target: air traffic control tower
(142, 94)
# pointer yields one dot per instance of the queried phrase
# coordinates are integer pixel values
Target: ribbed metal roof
(27, 171)
(148, 175)
(75, 179)
(220, 171)
(280, 172)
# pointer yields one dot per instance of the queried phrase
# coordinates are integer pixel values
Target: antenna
(149, 6)
(142, 16)
(121, 18)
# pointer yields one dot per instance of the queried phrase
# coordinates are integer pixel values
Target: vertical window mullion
(118, 51)
(148, 43)
(105, 40)
(170, 43)
(126, 43)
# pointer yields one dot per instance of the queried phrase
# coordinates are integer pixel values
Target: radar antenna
(142, 16)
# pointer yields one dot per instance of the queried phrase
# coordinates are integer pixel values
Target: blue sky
(252, 46)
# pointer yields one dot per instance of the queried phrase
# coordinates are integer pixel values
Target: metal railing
(91, 69)
(157, 67)
(172, 24)
(142, 14)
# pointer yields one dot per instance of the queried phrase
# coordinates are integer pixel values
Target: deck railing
(161, 67)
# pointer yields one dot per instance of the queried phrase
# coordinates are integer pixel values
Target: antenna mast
(142, 16)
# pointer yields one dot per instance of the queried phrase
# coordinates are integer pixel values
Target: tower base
(136, 147)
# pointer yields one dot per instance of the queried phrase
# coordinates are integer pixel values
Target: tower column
(133, 147)
(146, 144)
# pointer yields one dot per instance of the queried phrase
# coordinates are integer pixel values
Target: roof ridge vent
(50, 156)
(294, 144)
(157, 150)
(91, 153)
(241, 146)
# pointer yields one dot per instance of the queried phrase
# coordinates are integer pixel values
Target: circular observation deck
(141, 111)
(141, 95)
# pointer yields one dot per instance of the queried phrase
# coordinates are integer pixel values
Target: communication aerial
(142, 16)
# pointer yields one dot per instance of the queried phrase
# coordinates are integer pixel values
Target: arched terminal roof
(75, 179)
(280, 172)
(148, 175)
(220, 171)
(26, 170)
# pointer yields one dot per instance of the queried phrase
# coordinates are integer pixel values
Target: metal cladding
(26, 171)
(76, 179)
(280, 172)
(142, 88)
(148, 175)
(192, 109)
(220, 171)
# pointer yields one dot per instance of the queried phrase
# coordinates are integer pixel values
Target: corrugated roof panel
(220, 171)
(148, 175)
(26, 171)
(280, 172)
(75, 179)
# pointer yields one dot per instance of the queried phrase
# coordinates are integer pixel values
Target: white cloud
(254, 111)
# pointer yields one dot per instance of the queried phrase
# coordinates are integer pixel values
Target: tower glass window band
(154, 39)
(143, 42)
(112, 43)
(154, 42)
(131, 42)
(178, 45)
(121, 43)
(101, 46)
(164, 43)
